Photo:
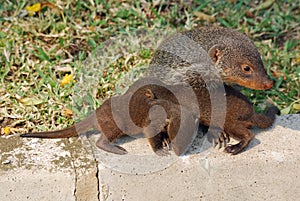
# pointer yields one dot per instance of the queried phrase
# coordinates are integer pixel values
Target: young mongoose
(141, 100)
(234, 56)
(240, 114)
(133, 113)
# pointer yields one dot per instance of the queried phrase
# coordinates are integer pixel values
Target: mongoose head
(233, 53)
(240, 63)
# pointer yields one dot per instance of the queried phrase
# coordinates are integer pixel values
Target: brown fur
(141, 97)
(237, 60)
(233, 54)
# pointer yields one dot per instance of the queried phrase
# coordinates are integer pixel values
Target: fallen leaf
(67, 79)
(203, 16)
(265, 5)
(67, 112)
(296, 106)
(232, 1)
(249, 14)
(48, 4)
(33, 9)
(92, 28)
(31, 101)
(278, 74)
(285, 110)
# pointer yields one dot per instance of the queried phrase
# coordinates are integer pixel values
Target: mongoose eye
(246, 69)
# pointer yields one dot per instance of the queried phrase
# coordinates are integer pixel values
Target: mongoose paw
(214, 134)
(222, 140)
(106, 146)
(233, 149)
(120, 150)
(115, 149)
(164, 149)
(212, 137)
(162, 152)
(166, 143)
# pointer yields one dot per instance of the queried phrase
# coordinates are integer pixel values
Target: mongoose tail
(63, 133)
(72, 131)
(265, 120)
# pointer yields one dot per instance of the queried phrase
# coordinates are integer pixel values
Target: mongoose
(141, 100)
(233, 55)
(143, 117)
(240, 114)
(209, 54)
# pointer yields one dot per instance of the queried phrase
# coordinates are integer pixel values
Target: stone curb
(74, 169)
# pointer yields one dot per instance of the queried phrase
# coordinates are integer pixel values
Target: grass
(70, 37)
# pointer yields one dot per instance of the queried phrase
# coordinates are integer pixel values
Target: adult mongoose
(140, 103)
(208, 54)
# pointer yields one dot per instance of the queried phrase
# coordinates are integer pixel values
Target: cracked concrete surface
(35, 169)
(74, 169)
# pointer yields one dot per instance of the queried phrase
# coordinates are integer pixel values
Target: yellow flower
(67, 79)
(6, 130)
(33, 9)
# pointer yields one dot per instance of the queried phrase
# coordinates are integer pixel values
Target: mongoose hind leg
(104, 144)
(238, 130)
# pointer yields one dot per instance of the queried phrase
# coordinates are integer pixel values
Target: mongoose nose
(269, 85)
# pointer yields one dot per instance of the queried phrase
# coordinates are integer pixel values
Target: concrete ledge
(35, 169)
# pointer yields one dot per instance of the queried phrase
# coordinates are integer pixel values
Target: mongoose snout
(269, 84)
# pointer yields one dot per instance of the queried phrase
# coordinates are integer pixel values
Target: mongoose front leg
(182, 132)
(238, 130)
(104, 144)
(157, 137)
(157, 127)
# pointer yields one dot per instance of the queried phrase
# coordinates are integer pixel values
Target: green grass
(37, 51)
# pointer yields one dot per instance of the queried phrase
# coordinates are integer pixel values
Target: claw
(233, 149)
(214, 143)
(226, 137)
(166, 143)
(162, 152)
(222, 140)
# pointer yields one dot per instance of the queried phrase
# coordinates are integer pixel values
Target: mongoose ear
(149, 94)
(215, 52)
